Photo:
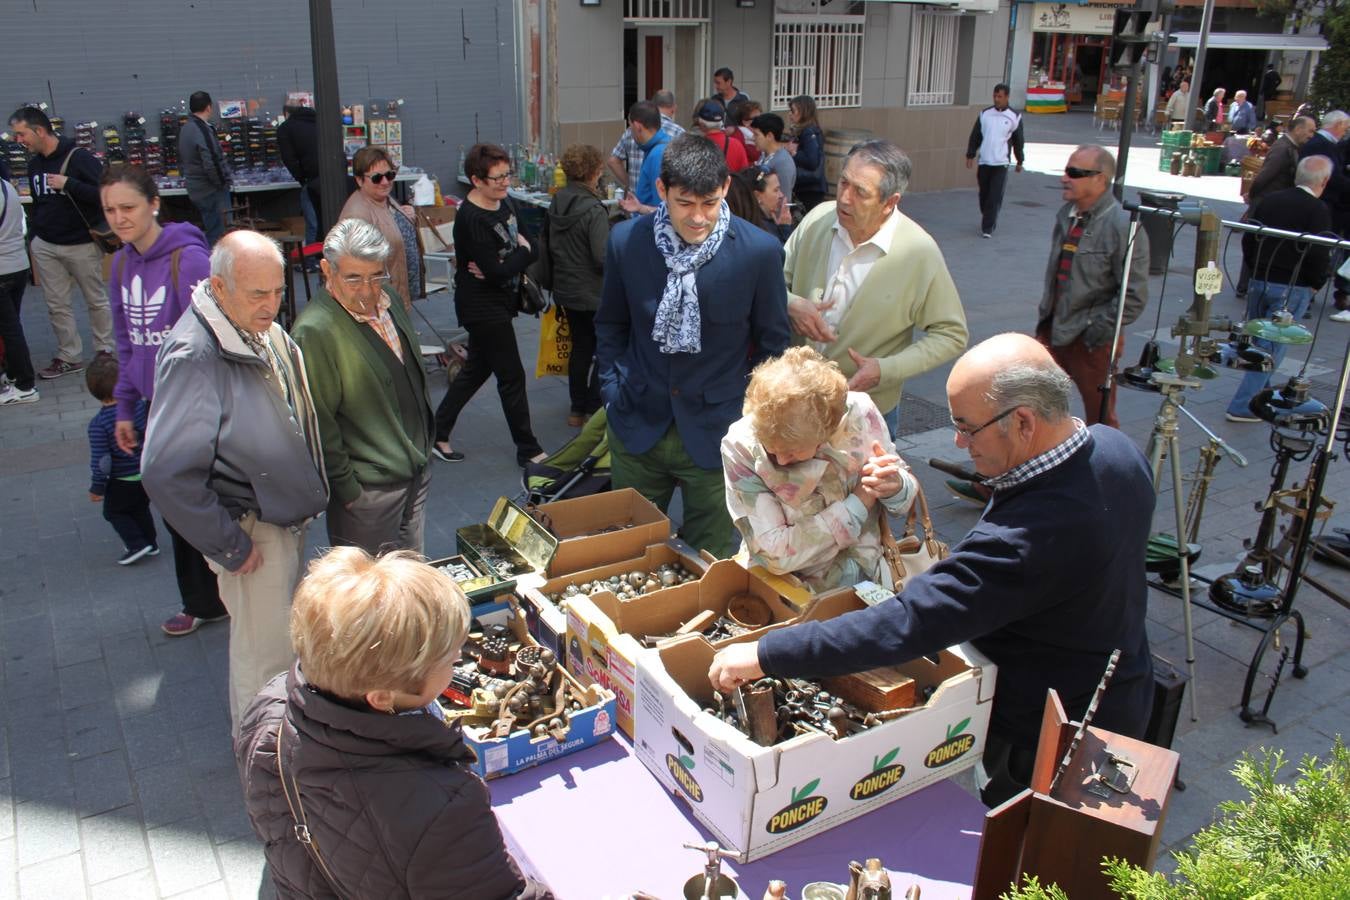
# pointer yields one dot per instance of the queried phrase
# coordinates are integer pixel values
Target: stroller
(579, 468)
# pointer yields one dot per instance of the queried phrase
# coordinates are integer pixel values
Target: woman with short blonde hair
(352, 744)
(809, 469)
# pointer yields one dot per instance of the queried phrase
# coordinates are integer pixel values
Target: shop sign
(1070, 19)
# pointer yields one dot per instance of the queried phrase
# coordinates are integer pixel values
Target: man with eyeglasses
(1046, 585)
(1077, 315)
(370, 395)
(232, 454)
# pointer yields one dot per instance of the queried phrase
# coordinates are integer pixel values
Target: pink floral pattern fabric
(803, 519)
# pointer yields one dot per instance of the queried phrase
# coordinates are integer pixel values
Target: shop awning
(1229, 40)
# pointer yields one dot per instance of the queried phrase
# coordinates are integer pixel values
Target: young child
(116, 476)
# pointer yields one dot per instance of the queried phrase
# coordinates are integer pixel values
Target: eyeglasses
(377, 177)
(1075, 173)
(356, 281)
(969, 433)
(498, 179)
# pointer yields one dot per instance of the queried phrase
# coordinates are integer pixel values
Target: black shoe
(446, 455)
(133, 556)
(522, 461)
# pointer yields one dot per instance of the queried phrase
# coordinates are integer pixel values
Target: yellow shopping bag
(555, 343)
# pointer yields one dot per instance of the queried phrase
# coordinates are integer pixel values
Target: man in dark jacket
(1329, 142)
(1276, 174)
(63, 183)
(205, 171)
(1047, 583)
(370, 396)
(232, 456)
(1285, 274)
(693, 299)
(298, 140)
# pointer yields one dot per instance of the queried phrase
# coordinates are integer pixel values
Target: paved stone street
(116, 774)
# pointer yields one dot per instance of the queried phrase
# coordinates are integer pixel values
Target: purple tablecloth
(597, 824)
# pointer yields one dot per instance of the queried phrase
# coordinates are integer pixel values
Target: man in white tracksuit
(996, 137)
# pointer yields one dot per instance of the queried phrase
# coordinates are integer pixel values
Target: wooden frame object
(1063, 837)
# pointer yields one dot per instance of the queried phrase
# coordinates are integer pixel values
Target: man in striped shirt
(1090, 254)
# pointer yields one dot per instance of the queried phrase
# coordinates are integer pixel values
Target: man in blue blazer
(693, 299)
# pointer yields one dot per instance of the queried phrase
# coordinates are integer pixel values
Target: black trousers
(126, 506)
(18, 363)
(1008, 767)
(992, 180)
(197, 584)
(583, 378)
(492, 351)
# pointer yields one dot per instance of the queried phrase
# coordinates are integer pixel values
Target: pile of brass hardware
(773, 710)
(745, 612)
(503, 685)
(459, 571)
(633, 584)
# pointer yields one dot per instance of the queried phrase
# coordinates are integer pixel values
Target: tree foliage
(1286, 841)
(1331, 82)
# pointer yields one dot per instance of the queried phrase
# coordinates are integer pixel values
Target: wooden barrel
(837, 145)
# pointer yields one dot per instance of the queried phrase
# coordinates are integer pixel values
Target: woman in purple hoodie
(149, 288)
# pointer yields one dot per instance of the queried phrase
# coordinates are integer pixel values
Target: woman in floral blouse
(809, 467)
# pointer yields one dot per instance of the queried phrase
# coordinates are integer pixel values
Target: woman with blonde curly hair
(809, 469)
(352, 744)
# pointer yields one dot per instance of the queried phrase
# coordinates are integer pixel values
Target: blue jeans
(215, 210)
(1264, 298)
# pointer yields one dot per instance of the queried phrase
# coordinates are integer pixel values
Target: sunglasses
(377, 177)
(1075, 173)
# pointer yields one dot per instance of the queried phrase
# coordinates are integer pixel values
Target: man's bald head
(1010, 380)
(248, 279)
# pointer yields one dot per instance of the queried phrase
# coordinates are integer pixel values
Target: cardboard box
(759, 800)
(604, 632)
(521, 750)
(578, 524)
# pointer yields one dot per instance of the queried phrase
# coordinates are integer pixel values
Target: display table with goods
(929, 838)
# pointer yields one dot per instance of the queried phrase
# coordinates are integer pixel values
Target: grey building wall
(452, 61)
(590, 62)
(742, 40)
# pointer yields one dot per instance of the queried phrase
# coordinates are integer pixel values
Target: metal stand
(1109, 383)
(1164, 440)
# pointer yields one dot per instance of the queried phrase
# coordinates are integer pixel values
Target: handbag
(541, 270)
(555, 343)
(102, 236)
(530, 297)
(911, 555)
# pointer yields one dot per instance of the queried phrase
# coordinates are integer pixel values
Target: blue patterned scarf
(679, 326)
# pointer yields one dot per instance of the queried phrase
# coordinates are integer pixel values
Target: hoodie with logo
(147, 303)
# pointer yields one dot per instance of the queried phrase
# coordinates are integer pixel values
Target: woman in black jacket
(492, 253)
(352, 744)
(578, 229)
(810, 153)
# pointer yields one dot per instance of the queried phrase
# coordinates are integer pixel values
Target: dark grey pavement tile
(45, 830)
(54, 879)
(91, 730)
(1187, 812)
(166, 794)
(223, 806)
(113, 844)
(84, 683)
(6, 809)
(102, 783)
(210, 750)
(151, 740)
(182, 857)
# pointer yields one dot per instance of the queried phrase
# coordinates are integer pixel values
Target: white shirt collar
(882, 239)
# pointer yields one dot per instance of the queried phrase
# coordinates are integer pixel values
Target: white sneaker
(11, 394)
(1342, 316)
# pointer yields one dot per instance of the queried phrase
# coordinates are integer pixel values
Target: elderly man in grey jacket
(1088, 260)
(232, 455)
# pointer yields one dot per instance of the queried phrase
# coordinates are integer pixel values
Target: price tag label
(1208, 281)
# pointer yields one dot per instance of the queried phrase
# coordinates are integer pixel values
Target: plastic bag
(555, 343)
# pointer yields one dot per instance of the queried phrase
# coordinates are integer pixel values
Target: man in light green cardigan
(862, 277)
(364, 368)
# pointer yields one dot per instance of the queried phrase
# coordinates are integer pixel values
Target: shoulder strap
(65, 162)
(117, 270)
(297, 809)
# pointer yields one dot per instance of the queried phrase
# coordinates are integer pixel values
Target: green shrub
(1286, 841)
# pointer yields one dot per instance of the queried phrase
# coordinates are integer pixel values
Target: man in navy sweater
(1047, 583)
